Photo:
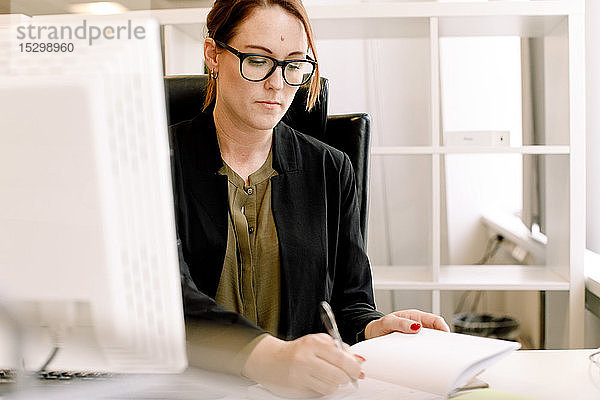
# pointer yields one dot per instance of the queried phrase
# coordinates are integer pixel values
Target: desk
(539, 374)
(546, 375)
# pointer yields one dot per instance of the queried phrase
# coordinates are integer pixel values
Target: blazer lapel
(302, 253)
(208, 195)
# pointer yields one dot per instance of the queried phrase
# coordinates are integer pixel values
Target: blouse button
(250, 191)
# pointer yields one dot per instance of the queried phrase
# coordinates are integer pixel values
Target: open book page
(373, 389)
(430, 361)
(368, 389)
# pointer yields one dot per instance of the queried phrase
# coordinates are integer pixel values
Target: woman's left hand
(406, 321)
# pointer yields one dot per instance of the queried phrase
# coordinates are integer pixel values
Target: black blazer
(316, 216)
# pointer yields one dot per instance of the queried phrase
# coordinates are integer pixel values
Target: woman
(267, 216)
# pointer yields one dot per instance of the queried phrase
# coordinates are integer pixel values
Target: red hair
(226, 15)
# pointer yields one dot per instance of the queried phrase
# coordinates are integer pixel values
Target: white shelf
(469, 277)
(365, 20)
(499, 25)
(377, 20)
(402, 277)
(501, 277)
(392, 150)
(509, 150)
(443, 9)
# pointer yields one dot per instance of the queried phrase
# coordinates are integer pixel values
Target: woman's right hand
(309, 366)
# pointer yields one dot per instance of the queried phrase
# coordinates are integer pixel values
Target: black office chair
(349, 133)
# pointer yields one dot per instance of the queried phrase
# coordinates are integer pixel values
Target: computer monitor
(88, 253)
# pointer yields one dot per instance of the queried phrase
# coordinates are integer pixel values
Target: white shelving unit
(561, 25)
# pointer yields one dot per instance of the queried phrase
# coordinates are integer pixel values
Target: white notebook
(430, 361)
(428, 365)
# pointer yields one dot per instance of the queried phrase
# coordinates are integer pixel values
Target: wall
(593, 123)
(592, 327)
(481, 90)
(184, 54)
(386, 78)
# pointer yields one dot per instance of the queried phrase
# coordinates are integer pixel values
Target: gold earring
(214, 75)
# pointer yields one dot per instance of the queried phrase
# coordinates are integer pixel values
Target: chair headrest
(185, 98)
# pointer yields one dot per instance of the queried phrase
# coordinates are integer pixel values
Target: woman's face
(259, 105)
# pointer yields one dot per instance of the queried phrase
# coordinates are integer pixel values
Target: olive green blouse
(250, 282)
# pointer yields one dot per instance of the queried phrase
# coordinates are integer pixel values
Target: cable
(595, 358)
(49, 360)
(478, 296)
(491, 248)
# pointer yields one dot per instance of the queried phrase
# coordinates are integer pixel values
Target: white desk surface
(539, 374)
(546, 375)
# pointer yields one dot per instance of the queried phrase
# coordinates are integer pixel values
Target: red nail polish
(360, 357)
(415, 327)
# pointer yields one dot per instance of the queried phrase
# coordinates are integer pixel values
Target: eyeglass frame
(276, 63)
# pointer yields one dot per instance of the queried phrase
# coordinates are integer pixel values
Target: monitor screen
(88, 253)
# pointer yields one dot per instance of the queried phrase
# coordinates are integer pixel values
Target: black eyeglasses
(258, 67)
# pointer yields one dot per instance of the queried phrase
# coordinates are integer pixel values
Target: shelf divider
(436, 200)
(535, 149)
(577, 239)
(469, 277)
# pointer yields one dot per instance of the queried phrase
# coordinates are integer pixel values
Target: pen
(329, 321)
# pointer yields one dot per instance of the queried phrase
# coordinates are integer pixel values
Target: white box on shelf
(477, 138)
